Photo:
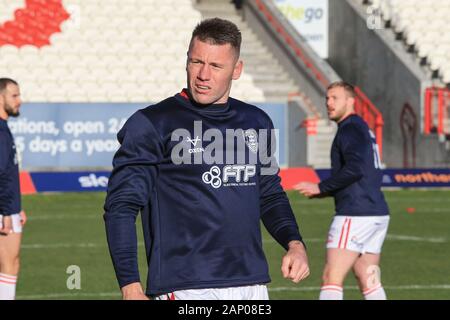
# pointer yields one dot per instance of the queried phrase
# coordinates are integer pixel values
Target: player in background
(12, 218)
(362, 216)
(201, 221)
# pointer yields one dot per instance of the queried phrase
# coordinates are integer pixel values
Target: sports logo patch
(230, 176)
(194, 142)
(251, 140)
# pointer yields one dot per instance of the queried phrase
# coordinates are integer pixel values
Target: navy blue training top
(201, 221)
(9, 173)
(356, 175)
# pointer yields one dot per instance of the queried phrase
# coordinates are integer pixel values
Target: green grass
(67, 229)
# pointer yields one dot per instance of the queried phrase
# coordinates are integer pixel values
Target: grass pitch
(67, 229)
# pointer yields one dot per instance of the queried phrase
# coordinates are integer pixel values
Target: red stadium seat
(34, 24)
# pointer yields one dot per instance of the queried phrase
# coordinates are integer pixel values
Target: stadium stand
(420, 24)
(140, 50)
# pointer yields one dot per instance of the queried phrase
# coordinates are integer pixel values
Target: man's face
(339, 104)
(210, 71)
(10, 99)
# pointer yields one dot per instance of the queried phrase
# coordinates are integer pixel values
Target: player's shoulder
(247, 107)
(152, 112)
(162, 108)
(354, 129)
(3, 125)
(251, 111)
(354, 124)
(4, 129)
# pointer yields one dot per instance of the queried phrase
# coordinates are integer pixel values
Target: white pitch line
(390, 237)
(434, 200)
(300, 212)
(405, 287)
(63, 217)
(61, 245)
(67, 245)
(411, 200)
(274, 289)
(68, 295)
(413, 238)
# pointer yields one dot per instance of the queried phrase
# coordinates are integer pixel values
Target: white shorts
(254, 292)
(16, 224)
(360, 234)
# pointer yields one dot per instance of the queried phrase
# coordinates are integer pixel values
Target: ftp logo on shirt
(240, 173)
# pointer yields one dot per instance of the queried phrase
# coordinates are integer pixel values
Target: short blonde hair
(350, 89)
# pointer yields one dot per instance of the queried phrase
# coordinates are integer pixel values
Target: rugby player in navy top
(201, 194)
(362, 216)
(12, 218)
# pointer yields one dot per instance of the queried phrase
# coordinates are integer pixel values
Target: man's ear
(238, 70)
(351, 101)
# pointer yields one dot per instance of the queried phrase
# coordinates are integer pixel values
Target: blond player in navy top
(12, 218)
(201, 215)
(362, 216)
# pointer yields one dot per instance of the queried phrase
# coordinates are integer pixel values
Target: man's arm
(354, 148)
(133, 291)
(279, 220)
(295, 264)
(5, 186)
(128, 192)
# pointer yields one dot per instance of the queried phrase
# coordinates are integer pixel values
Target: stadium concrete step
(269, 77)
(320, 144)
(272, 90)
(215, 6)
(273, 68)
(256, 50)
(326, 127)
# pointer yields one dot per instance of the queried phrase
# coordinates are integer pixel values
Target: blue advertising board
(66, 136)
(70, 181)
(408, 178)
(98, 180)
(73, 136)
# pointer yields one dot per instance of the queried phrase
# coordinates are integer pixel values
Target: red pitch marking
(34, 24)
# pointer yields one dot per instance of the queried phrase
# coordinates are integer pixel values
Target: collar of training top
(217, 107)
(346, 119)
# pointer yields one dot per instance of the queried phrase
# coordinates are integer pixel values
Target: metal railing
(367, 110)
(436, 115)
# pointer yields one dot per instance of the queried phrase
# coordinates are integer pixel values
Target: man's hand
(23, 218)
(5, 225)
(133, 291)
(294, 265)
(308, 189)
